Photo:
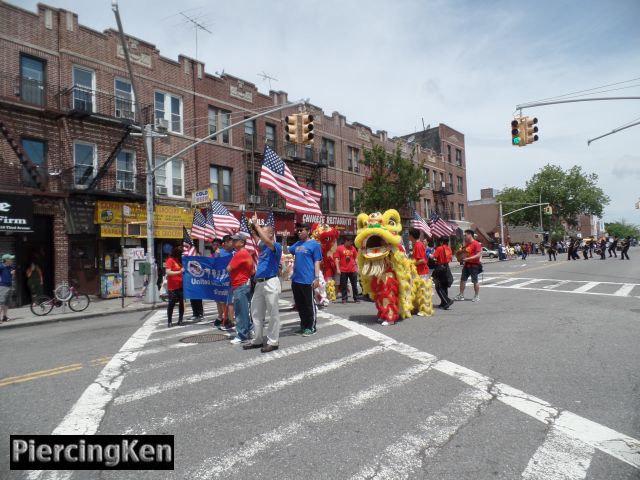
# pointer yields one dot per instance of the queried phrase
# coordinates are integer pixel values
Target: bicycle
(63, 294)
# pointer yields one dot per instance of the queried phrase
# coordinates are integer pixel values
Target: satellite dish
(411, 138)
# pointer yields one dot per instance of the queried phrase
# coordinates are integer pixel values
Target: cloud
(627, 166)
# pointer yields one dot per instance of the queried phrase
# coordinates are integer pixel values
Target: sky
(393, 64)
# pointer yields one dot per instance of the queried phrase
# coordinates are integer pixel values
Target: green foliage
(622, 228)
(570, 193)
(393, 181)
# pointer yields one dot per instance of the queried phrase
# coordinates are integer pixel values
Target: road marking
(616, 444)
(624, 290)
(403, 458)
(216, 467)
(551, 287)
(522, 284)
(501, 282)
(207, 375)
(42, 374)
(586, 287)
(560, 457)
(250, 395)
(181, 333)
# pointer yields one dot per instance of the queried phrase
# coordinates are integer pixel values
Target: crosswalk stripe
(217, 466)
(145, 392)
(624, 290)
(555, 285)
(250, 395)
(404, 458)
(560, 457)
(586, 287)
(502, 282)
(181, 333)
(522, 284)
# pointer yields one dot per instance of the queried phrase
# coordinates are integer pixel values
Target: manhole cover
(205, 338)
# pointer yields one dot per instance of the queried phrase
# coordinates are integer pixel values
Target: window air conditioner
(161, 190)
(161, 124)
(124, 186)
(255, 199)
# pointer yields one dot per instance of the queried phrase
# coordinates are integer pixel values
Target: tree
(622, 228)
(570, 193)
(393, 181)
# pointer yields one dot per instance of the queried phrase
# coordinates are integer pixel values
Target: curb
(10, 325)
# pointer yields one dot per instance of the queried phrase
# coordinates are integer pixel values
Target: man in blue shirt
(7, 272)
(306, 277)
(264, 303)
(225, 309)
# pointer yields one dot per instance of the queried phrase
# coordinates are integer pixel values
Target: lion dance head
(387, 275)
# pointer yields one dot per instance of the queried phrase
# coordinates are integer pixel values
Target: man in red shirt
(240, 270)
(472, 265)
(419, 253)
(346, 255)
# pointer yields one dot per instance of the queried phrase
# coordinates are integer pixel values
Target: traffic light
(292, 128)
(548, 210)
(307, 128)
(516, 134)
(530, 130)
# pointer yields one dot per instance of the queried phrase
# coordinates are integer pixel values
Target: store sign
(16, 213)
(201, 197)
(167, 220)
(345, 225)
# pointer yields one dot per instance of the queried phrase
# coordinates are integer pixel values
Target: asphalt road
(538, 380)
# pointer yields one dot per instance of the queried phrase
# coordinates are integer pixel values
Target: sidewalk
(23, 317)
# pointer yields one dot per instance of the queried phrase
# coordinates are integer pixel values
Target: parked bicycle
(63, 294)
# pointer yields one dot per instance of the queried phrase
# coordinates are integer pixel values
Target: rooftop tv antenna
(266, 77)
(198, 24)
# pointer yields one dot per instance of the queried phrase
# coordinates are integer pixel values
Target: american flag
(250, 243)
(225, 222)
(276, 175)
(210, 227)
(198, 228)
(188, 248)
(439, 227)
(270, 221)
(419, 223)
(314, 194)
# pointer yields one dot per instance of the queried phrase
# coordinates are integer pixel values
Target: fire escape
(441, 201)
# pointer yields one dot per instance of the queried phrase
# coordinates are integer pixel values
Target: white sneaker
(386, 323)
(237, 341)
(459, 297)
(476, 298)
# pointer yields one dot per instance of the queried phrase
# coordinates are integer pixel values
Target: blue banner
(206, 278)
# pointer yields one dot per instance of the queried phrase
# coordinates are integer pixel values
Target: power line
(586, 90)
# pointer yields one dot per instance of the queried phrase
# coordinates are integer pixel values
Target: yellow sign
(168, 220)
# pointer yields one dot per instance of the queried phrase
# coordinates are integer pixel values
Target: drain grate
(205, 338)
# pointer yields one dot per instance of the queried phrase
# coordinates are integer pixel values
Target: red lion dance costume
(386, 274)
(327, 236)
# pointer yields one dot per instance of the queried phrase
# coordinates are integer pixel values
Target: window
(450, 185)
(222, 118)
(434, 181)
(461, 211)
(36, 151)
(449, 153)
(220, 179)
(126, 171)
(427, 177)
(84, 163)
(308, 153)
(32, 80)
(169, 107)
(427, 208)
(170, 179)
(213, 121)
(328, 197)
(270, 135)
(442, 184)
(353, 195)
(328, 152)
(353, 159)
(458, 157)
(83, 89)
(249, 134)
(225, 121)
(124, 99)
(460, 187)
(451, 211)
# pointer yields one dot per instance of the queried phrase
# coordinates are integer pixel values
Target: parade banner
(206, 278)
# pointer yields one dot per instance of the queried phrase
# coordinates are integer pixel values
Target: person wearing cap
(225, 309)
(7, 273)
(305, 277)
(264, 302)
(240, 270)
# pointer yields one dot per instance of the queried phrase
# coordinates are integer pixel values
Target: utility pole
(501, 227)
(541, 227)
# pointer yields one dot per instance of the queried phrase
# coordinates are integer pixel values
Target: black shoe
(446, 307)
(268, 348)
(169, 325)
(180, 322)
(217, 323)
(249, 346)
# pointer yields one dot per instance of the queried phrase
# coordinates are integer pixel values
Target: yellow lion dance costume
(386, 274)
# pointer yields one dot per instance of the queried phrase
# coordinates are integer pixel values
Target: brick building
(70, 154)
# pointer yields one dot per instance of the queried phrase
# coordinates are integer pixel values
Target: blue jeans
(241, 298)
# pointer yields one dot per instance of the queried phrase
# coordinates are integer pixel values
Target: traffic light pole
(502, 215)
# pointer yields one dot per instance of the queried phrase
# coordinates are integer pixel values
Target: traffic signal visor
(531, 129)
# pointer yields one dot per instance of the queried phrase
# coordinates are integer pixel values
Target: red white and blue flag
(188, 248)
(209, 226)
(419, 223)
(275, 175)
(250, 243)
(225, 223)
(439, 227)
(198, 227)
